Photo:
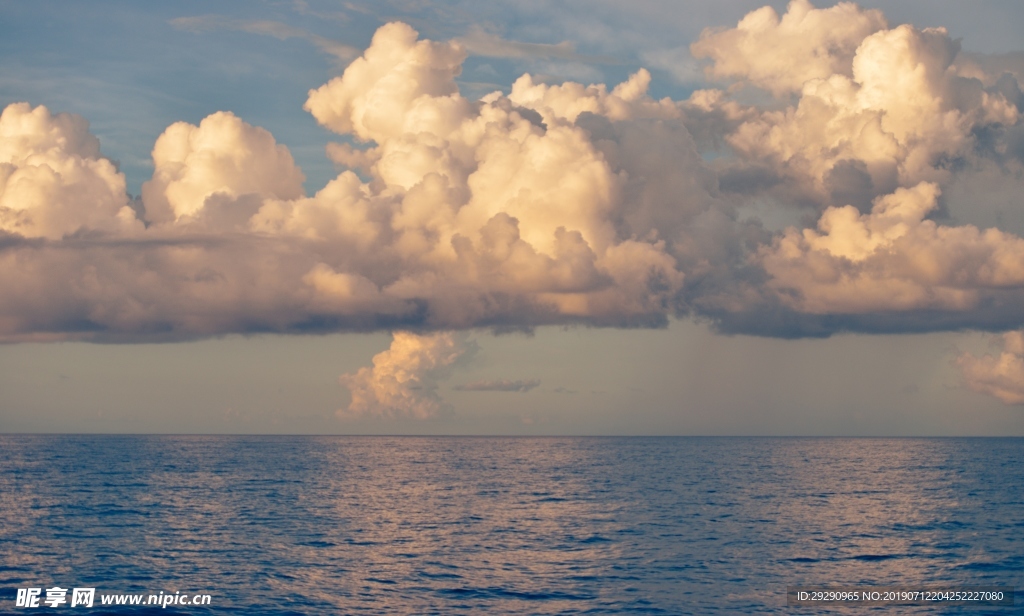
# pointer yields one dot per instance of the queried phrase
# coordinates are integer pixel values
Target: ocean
(477, 525)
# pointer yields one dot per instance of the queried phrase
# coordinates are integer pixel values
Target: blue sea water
(459, 525)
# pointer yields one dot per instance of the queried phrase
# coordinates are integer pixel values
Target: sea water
(461, 525)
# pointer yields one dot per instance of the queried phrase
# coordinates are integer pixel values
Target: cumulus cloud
(224, 158)
(556, 203)
(873, 122)
(892, 259)
(521, 386)
(403, 380)
(1002, 376)
(901, 116)
(53, 180)
(781, 55)
(475, 214)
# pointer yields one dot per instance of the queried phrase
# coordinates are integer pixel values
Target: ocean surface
(460, 525)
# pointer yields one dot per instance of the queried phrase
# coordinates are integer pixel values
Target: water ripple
(381, 525)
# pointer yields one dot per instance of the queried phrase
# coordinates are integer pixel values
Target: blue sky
(133, 69)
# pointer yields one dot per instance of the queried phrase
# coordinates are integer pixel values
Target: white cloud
(892, 259)
(555, 204)
(1002, 376)
(223, 157)
(902, 115)
(53, 179)
(782, 55)
(403, 380)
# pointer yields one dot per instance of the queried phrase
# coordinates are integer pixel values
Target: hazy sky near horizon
(327, 217)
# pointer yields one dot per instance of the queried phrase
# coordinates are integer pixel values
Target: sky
(644, 218)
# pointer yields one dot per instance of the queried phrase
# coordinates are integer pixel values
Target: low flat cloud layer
(521, 386)
(551, 204)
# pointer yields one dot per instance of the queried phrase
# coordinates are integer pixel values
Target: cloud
(500, 385)
(442, 236)
(206, 23)
(1002, 376)
(892, 259)
(989, 68)
(875, 122)
(403, 380)
(558, 203)
(782, 55)
(901, 116)
(480, 42)
(53, 181)
(678, 62)
(224, 158)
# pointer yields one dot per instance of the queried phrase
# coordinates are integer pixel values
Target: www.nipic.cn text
(86, 597)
